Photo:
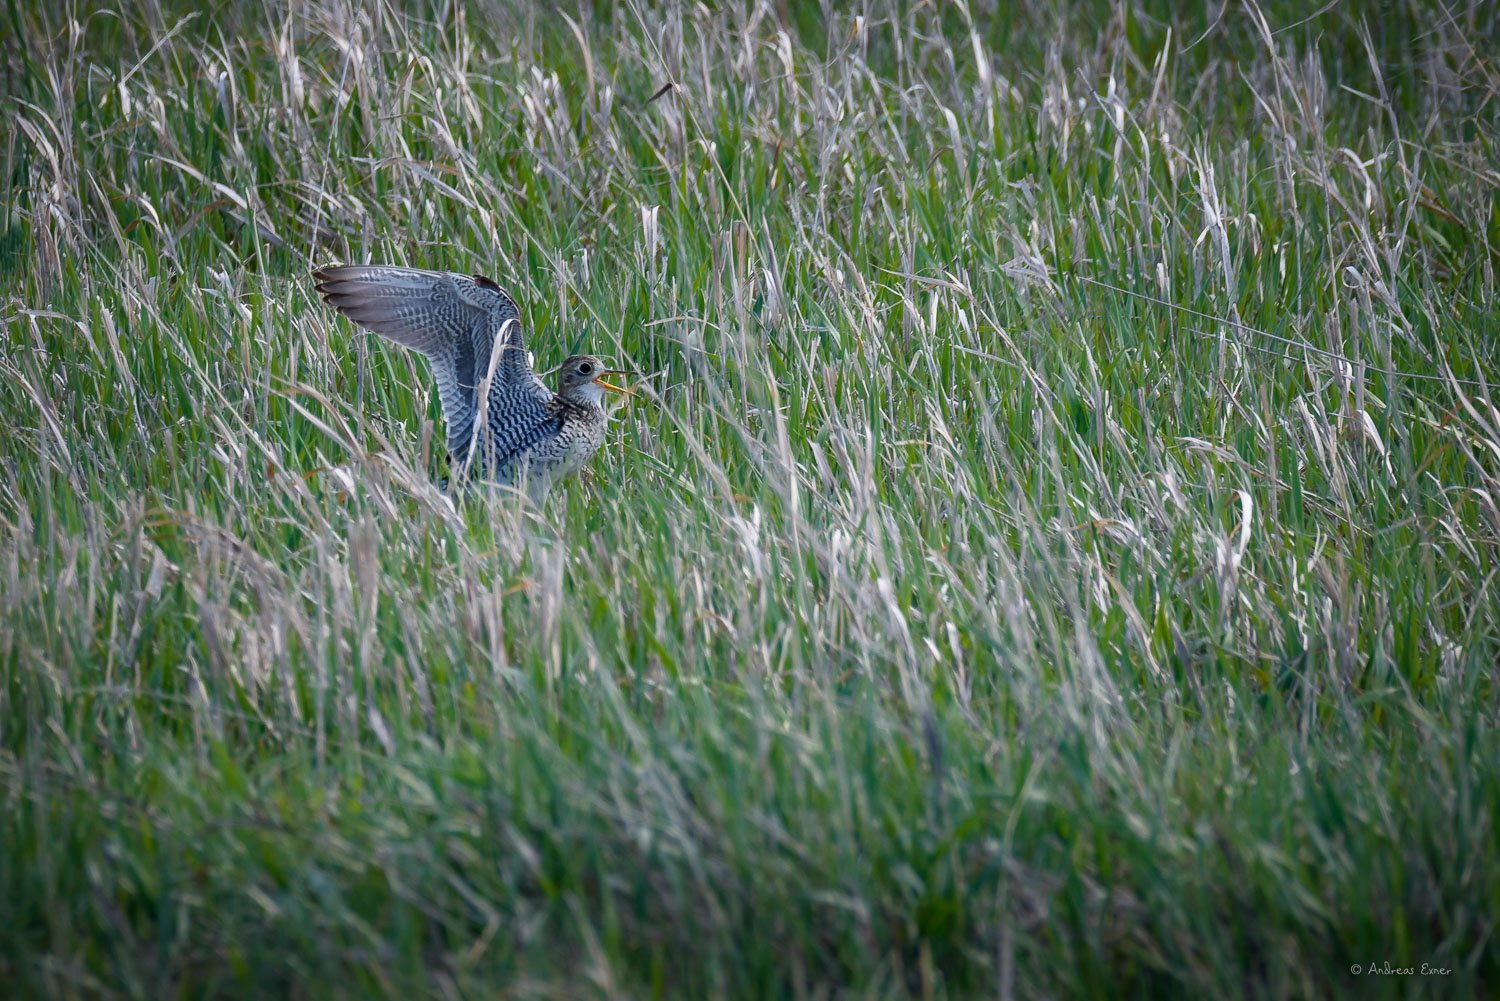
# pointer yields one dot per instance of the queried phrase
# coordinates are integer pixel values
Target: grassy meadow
(1053, 554)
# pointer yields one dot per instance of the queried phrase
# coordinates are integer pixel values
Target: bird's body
(503, 424)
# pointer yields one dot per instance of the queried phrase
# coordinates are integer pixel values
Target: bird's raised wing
(453, 319)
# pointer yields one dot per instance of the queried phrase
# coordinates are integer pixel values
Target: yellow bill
(610, 385)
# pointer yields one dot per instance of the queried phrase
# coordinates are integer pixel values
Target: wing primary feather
(471, 332)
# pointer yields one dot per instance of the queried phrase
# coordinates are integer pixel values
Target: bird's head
(581, 378)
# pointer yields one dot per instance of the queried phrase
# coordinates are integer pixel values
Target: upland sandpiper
(504, 425)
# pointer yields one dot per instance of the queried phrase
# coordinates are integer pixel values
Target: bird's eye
(585, 368)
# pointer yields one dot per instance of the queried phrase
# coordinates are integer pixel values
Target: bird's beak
(610, 385)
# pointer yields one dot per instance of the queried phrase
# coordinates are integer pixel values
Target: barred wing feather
(453, 320)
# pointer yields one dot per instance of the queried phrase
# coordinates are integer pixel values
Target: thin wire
(1289, 341)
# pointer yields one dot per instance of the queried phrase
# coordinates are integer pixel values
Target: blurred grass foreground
(1053, 555)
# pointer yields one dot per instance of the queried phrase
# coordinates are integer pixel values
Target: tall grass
(1054, 555)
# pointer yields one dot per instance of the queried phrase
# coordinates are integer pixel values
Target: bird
(504, 425)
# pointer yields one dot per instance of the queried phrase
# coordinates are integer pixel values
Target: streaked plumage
(470, 330)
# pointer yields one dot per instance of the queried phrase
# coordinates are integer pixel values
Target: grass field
(1053, 555)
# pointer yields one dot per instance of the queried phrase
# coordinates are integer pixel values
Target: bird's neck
(590, 395)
